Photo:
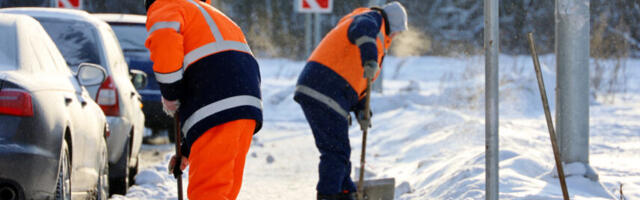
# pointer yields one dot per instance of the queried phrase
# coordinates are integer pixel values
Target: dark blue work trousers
(331, 133)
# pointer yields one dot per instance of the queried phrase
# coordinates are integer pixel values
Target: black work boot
(349, 196)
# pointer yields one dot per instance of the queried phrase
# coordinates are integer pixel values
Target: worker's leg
(248, 127)
(213, 157)
(331, 134)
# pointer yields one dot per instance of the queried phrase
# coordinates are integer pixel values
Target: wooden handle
(547, 114)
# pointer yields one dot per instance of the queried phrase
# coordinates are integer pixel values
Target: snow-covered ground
(428, 133)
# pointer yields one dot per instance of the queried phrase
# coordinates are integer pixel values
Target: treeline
(438, 27)
(444, 27)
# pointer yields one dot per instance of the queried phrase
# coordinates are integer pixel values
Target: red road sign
(314, 6)
(75, 4)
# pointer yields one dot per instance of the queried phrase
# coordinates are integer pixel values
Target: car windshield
(8, 50)
(131, 36)
(76, 40)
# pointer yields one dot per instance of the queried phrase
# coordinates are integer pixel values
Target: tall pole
(491, 43)
(307, 34)
(377, 84)
(316, 29)
(572, 93)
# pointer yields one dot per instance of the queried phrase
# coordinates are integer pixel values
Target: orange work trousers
(217, 161)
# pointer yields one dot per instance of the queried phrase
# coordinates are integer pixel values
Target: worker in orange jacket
(208, 74)
(333, 83)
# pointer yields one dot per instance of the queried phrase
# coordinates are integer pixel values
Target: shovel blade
(379, 189)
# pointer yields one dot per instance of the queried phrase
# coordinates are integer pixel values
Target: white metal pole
(491, 44)
(572, 94)
(377, 85)
(307, 34)
(316, 27)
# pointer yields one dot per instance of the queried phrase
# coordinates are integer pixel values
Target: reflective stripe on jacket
(359, 37)
(202, 58)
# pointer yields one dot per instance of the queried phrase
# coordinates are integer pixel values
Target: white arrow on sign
(66, 4)
(313, 4)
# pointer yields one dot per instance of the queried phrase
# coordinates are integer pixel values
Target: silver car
(52, 134)
(83, 38)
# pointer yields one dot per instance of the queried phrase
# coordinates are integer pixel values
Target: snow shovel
(177, 173)
(378, 189)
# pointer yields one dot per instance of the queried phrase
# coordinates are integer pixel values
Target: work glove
(170, 107)
(183, 164)
(362, 120)
(371, 68)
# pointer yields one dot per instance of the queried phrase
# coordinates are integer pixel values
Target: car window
(59, 63)
(131, 36)
(8, 47)
(76, 40)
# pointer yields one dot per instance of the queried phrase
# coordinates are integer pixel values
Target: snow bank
(428, 133)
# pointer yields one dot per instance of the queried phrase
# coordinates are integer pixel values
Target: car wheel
(134, 171)
(63, 186)
(120, 184)
(103, 179)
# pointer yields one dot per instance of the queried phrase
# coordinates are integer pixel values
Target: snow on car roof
(26, 45)
(121, 18)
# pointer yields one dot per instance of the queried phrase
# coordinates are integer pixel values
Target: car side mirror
(90, 74)
(138, 78)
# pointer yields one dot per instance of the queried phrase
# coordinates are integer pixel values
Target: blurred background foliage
(438, 27)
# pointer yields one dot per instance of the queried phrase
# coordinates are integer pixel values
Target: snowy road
(429, 134)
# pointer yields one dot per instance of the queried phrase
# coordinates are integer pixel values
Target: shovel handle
(367, 116)
(177, 172)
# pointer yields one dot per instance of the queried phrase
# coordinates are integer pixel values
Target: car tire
(103, 179)
(63, 185)
(133, 171)
(120, 185)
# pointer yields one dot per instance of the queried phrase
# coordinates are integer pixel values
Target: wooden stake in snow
(547, 114)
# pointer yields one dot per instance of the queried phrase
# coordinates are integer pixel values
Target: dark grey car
(52, 134)
(83, 38)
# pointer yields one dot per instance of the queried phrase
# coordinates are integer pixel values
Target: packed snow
(428, 133)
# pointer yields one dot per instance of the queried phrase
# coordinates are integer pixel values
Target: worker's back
(201, 58)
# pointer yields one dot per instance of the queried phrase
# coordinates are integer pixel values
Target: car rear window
(8, 49)
(131, 36)
(76, 40)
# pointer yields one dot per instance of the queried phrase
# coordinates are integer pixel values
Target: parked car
(52, 134)
(83, 38)
(132, 34)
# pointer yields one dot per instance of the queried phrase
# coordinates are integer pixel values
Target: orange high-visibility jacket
(202, 58)
(343, 56)
(334, 72)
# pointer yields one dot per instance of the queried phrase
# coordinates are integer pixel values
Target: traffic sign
(75, 4)
(314, 6)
